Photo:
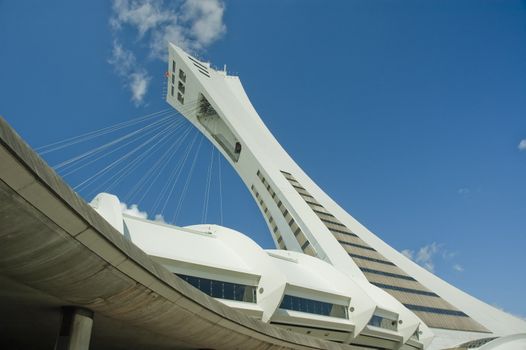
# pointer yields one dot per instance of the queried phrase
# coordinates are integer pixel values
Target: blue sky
(410, 114)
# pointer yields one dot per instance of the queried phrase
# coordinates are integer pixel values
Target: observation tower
(302, 218)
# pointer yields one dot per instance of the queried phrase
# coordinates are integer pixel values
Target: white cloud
(122, 59)
(191, 24)
(408, 253)
(159, 218)
(139, 86)
(133, 210)
(134, 77)
(143, 15)
(448, 255)
(424, 256)
(458, 267)
(522, 145)
(206, 18)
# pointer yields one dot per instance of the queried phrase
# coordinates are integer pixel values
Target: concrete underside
(57, 251)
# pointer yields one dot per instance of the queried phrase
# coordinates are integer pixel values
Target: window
(172, 90)
(173, 66)
(435, 310)
(356, 245)
(182, 76)
(383, 322)
(316, 307)
(173, 78)
(180, 97)
(307, 247)
(180, 87)
(222, 290)
(371, 259)
(406, 290)
(389, 274)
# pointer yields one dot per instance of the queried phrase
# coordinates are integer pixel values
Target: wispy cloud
(191, 24)
(447, 255)
(458, 268)
(426, 256)
(522, 145)
(464, 191)
(408, 253)
(133, 75)
(206, 19)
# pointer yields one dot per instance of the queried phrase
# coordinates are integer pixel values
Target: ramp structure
(302, 218)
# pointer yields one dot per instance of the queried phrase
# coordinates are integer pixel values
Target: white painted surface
(220, 253)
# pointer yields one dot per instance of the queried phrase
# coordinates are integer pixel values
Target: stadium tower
(301, 217)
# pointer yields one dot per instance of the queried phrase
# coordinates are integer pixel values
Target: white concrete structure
(377, 297)
(285, 288)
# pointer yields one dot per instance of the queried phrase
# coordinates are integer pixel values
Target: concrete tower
(302, 218)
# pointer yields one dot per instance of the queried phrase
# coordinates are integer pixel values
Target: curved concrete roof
(59, 251)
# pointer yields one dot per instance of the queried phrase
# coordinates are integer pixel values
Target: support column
(75, 330)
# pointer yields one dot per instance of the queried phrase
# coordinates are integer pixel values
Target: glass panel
(310, 306)
(216, 289)
(382, 322)
(182, 76)
(180, 86)
(222, 290)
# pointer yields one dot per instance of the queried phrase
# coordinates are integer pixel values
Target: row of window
(333, 222)
(356, 245)
(337, 228)
(326, 216)
(311, 306)
(403, 289)
(312, 202)
(371, 259)
(221, 289)
(180, 85)
(270, 219)
(388, 274)
(304, 243)
(347, 232)
(435, 310)
(328, 219)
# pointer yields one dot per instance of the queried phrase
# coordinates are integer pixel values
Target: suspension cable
(219, 165)
(119, 175)
(92, 134)
(187, 182)
(204, 214)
